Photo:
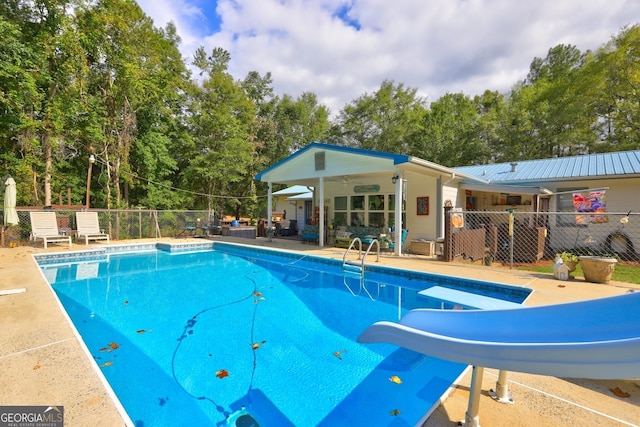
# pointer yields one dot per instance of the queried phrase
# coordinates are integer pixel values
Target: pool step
(352, 266)
(467, 298)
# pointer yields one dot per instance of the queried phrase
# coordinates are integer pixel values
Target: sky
(343, 49)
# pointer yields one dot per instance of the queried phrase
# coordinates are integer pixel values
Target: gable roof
(293, 190)
(623, 164)
(301, 167)
(305, 155)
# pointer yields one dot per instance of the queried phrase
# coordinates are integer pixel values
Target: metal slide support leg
(472, 417)
(501, 393)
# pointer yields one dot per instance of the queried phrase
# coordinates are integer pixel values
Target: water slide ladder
(355, 269)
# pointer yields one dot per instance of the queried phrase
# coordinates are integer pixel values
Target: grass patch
(621, 273)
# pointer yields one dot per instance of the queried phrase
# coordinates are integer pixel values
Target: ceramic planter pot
(597, 269)
(572, 265)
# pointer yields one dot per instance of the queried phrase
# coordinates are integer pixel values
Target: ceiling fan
(345, 181)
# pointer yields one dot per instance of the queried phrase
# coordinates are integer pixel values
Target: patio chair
(89, 227)
(310, 233)
(289, 227)
(342, 239)
(403, 237)
(213, 226)
(45, 227)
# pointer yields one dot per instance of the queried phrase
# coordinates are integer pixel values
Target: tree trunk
(46, 147)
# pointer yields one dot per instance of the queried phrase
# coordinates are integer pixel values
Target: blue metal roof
(590, 166)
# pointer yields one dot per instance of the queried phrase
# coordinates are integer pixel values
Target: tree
(19, 96)
(222, 119)
(161, 132)
(613, 80)
(548, 115)
(491, 108)
(47, 25)
(136, 82)
(449, 132)
(388, 120)
(299, 122)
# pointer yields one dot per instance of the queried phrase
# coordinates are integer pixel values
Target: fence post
(510, 238)
(448, 238)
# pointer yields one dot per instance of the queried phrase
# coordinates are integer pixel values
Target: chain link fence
(121, 224)
(470, 235)
(528, 237)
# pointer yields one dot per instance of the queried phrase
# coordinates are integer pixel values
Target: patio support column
(321, 217)
(398, 217)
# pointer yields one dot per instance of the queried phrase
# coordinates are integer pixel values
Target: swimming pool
(192, 334)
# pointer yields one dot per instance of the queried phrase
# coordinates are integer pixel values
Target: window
(376, 202)
(375, 216)
(376, 219)
(357, 219)
(564, 201)
(340, 203)
(357, 203)
(340, 210)
(371, 210)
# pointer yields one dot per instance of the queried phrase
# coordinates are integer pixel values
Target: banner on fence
(590, 206)
(457, 218)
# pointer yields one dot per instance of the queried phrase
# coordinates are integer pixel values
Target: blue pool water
(193, 337)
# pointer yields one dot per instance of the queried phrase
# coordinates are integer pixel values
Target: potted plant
(384, 241)
(392, 224)
(598, 269)
(568, 258)
(335, 222)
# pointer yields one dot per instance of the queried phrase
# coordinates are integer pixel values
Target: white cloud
(437, 46)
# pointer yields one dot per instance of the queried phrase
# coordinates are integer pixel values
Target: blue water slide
(598, 339)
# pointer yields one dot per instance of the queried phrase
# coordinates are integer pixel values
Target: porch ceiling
(491, 188)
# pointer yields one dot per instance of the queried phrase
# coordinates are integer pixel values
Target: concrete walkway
(43, 362)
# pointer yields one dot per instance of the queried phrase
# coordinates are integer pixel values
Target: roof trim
(454, 173)
(302, 196)
(397, 158)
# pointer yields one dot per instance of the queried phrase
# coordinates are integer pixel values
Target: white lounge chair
(45, 227)
(89, 227)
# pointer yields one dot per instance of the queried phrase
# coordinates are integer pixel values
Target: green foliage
(567, 257)
(622, 272)
(450, 132)
(83, 76)
(387, 120)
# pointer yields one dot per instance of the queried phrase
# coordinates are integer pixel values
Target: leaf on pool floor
(256, 345)
(394, 412)
(114, 345)
(222, 373)
(106, 364)
(125, 303)
(618, 392)
(395, 379)
(142, 331)
(339, 353)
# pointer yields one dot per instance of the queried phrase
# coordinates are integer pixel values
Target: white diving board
(466, 298)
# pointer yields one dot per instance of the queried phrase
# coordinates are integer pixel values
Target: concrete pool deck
(43, 362)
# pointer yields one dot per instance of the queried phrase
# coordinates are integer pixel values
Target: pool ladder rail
(355, 269)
